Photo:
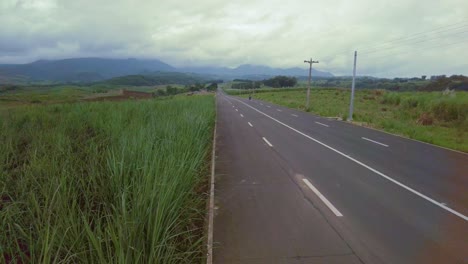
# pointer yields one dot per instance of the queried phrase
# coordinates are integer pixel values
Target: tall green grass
(105, 182)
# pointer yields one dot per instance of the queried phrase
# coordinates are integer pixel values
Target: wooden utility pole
(310, 79)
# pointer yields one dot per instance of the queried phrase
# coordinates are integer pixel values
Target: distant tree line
(275, 82)
(281, 81)
(454, 82)
(246, 84)
(423, 83)
(172, 90)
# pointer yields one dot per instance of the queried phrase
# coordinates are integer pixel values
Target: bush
(171, 90)
(410, 102)
(368, 97)
(378, 92)
(391, 98)
(160, 92)
(449, 110)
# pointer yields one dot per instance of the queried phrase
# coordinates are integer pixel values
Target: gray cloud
(211, 32)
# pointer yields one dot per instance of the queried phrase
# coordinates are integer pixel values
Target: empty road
(291, 187)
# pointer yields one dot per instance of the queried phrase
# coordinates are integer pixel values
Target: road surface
(292, 187)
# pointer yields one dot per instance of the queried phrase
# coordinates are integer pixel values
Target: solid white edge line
(323, 198)
(294, 115)
(269, 144)
(322, 124)
(209, 243)
(250, 124)
(241, 115)
(462, 216)
(376, 142)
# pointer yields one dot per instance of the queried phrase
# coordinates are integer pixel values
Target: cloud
(273, 32)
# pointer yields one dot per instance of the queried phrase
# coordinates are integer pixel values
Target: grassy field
(34, 94)
(105, 182)
(432, 117)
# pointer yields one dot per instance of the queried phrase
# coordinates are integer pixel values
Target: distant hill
(98, 69)
(83, 70)
(254, 71)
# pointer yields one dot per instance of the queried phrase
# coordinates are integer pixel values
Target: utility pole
(310, 79)
(351, 106)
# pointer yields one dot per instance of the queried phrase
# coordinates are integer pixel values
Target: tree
(196, 87)
(160, 92)
(171, 90)
(212, 87)
(281, 81)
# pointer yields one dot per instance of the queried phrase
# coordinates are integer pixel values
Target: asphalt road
(292, 187)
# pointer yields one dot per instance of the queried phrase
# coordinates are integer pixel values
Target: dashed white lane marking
(268, 106)
(425, 197)
(250, 124)
(237, 110)
(241, 115)
(261, 104)
(323, 198)
(279, 110)
(322, 124)
(269, 144)
(376, 142)
(294, 115)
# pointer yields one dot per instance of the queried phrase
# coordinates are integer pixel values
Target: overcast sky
(279, 33)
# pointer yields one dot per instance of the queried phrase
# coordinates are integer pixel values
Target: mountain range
(97, 69)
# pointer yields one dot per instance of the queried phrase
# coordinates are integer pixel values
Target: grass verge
(107, 182)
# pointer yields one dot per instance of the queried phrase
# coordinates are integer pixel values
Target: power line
(414, 42)
(409, 37)
(425, 48)
(418, 35)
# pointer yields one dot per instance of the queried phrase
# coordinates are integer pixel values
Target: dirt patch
(136, 94)
(377, 92)
(4, 200)
(425, 119)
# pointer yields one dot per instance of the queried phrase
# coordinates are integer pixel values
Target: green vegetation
(439, 118)
(275, 82)
(262, 90)
(22, 95)
(280, 81)
(245, 84)
(105, 182)
(212, 87)
(14, 95)
(435, 83)
(156, 79)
